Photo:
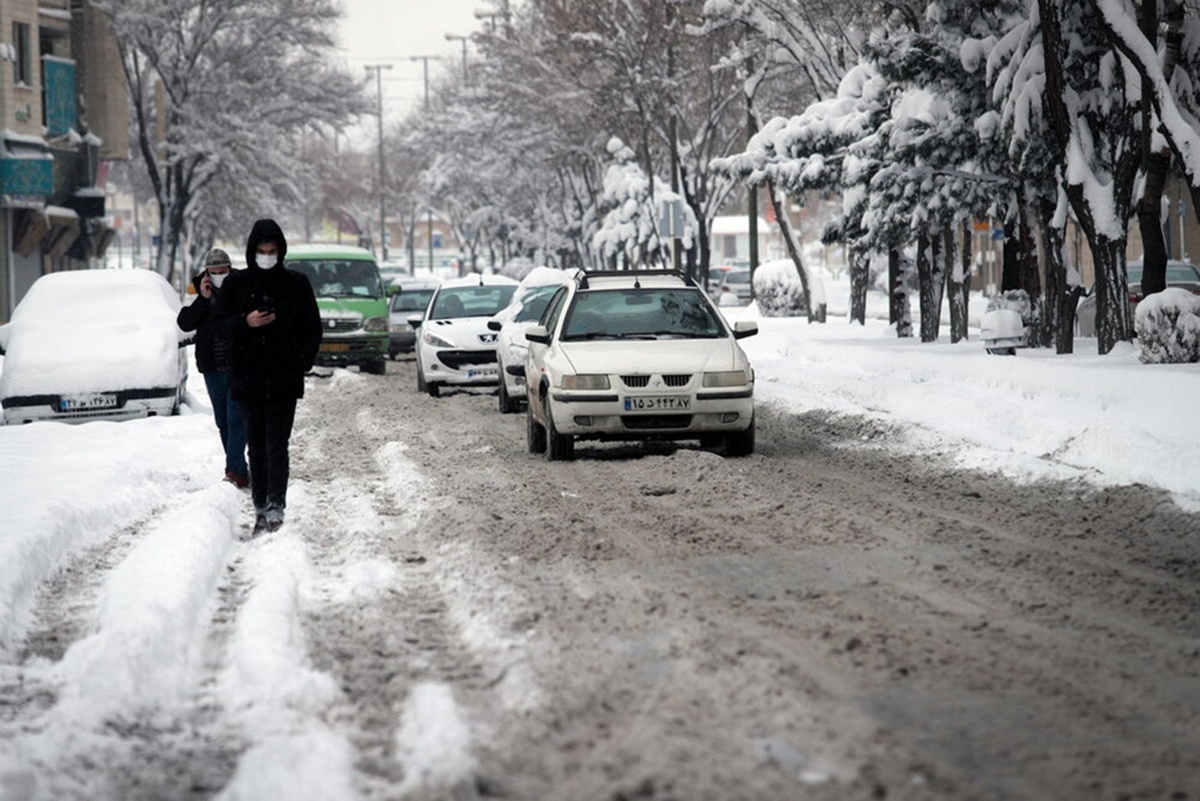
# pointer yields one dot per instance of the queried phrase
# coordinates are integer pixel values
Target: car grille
(655, 421)
(333, 325)
(640, 381)
(455, 359)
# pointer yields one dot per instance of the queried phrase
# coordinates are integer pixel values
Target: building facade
(64, 111)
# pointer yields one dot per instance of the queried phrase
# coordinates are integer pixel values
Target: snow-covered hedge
(778, 290)
(1168, 327)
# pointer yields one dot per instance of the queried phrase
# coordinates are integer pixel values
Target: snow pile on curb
(778, 291)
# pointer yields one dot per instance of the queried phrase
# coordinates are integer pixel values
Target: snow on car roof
(478, 279)
(626, 280)
(92, 330)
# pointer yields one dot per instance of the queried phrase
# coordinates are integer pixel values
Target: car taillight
(1135, 297)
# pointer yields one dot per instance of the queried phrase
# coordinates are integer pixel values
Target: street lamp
(378, 70)
(450, 37)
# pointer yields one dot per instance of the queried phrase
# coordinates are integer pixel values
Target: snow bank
(778, 290)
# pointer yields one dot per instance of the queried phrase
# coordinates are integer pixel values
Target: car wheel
(506, 403)
(535, 435)
(710, 440)
(1002, 351)
(740, 443)
(378, 367)
(559, 447)
(434, 390)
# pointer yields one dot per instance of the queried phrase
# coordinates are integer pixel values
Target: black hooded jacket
(271, 359)
(213, 353)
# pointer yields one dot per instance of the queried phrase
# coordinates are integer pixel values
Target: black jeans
(268, 428)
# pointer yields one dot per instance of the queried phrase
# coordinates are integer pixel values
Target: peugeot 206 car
(90, 344)
(528, 304)
(454, 344)
(631, 355)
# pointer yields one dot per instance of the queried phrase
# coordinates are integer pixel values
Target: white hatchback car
(93, 344)
(454, 344)
(528, 304)
(637, 354)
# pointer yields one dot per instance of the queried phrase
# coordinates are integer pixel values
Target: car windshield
(340, 278)
(471, 301)
(641, 314)
(534, 304)
(411, 300)
(737, 277)
(1134, 272)
(1181, 272)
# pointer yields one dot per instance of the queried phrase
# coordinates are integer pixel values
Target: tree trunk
(898, 309)
(860, 272)
(959, 291)
(1059, 300)
(931, 254)
(1112, 294)
(786, 231)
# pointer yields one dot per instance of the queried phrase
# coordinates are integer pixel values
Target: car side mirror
(494, 325)
(392, 289)
(415, 320)
(744, 328)
(538, 334)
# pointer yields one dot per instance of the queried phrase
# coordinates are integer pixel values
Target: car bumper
(603, 415)
(336, 351)
(461, 367)
(402, 341)
(124, 405)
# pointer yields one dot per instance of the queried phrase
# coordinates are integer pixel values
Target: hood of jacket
(262, 231)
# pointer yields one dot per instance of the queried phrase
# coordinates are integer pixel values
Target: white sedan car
(454, 344)
(528, 303)
(637, 355)
(88, 344)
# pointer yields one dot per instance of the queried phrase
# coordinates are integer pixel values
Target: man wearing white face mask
(214, 361)
(271, 316)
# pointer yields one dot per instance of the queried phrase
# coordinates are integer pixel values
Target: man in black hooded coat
(271, 316)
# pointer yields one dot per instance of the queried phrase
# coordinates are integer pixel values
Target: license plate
(486, 372)
(74, 403)
(658, 403)
(334, 347)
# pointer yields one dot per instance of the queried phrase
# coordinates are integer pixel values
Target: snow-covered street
(943, 574)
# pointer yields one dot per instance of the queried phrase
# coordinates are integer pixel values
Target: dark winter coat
(270, 360)
(213, 353)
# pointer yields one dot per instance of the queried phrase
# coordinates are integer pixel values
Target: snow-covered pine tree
(1061, 62)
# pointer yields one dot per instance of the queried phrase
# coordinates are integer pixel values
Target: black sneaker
(261, 524)
(274, 517)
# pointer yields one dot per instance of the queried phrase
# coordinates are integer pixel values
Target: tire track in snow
(382, 625)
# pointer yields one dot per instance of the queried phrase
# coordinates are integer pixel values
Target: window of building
(729, 247)
(22, 63)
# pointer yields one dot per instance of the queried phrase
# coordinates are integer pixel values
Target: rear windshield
(641, 314)
(340, 278)
(471, 301)
(411, 299)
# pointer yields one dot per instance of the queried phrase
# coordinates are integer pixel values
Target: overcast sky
(393, 31)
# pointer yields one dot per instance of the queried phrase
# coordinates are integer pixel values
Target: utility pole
(450, 37)
(378, 70)
(425, 61)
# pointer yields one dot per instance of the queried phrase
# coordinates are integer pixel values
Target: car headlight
(585, 382)
(433, 340)
(730, 378)
(375, 324)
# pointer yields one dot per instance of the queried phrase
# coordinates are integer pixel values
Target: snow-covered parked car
(89, 344)
(528, 304)
(637, 355)
(454, 344)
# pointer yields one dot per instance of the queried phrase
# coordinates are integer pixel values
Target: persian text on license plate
(486, 372)
(334, 347)
(658, 403)
(73, 403)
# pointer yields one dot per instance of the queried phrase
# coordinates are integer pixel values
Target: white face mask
(264, 261)
(217, 280)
